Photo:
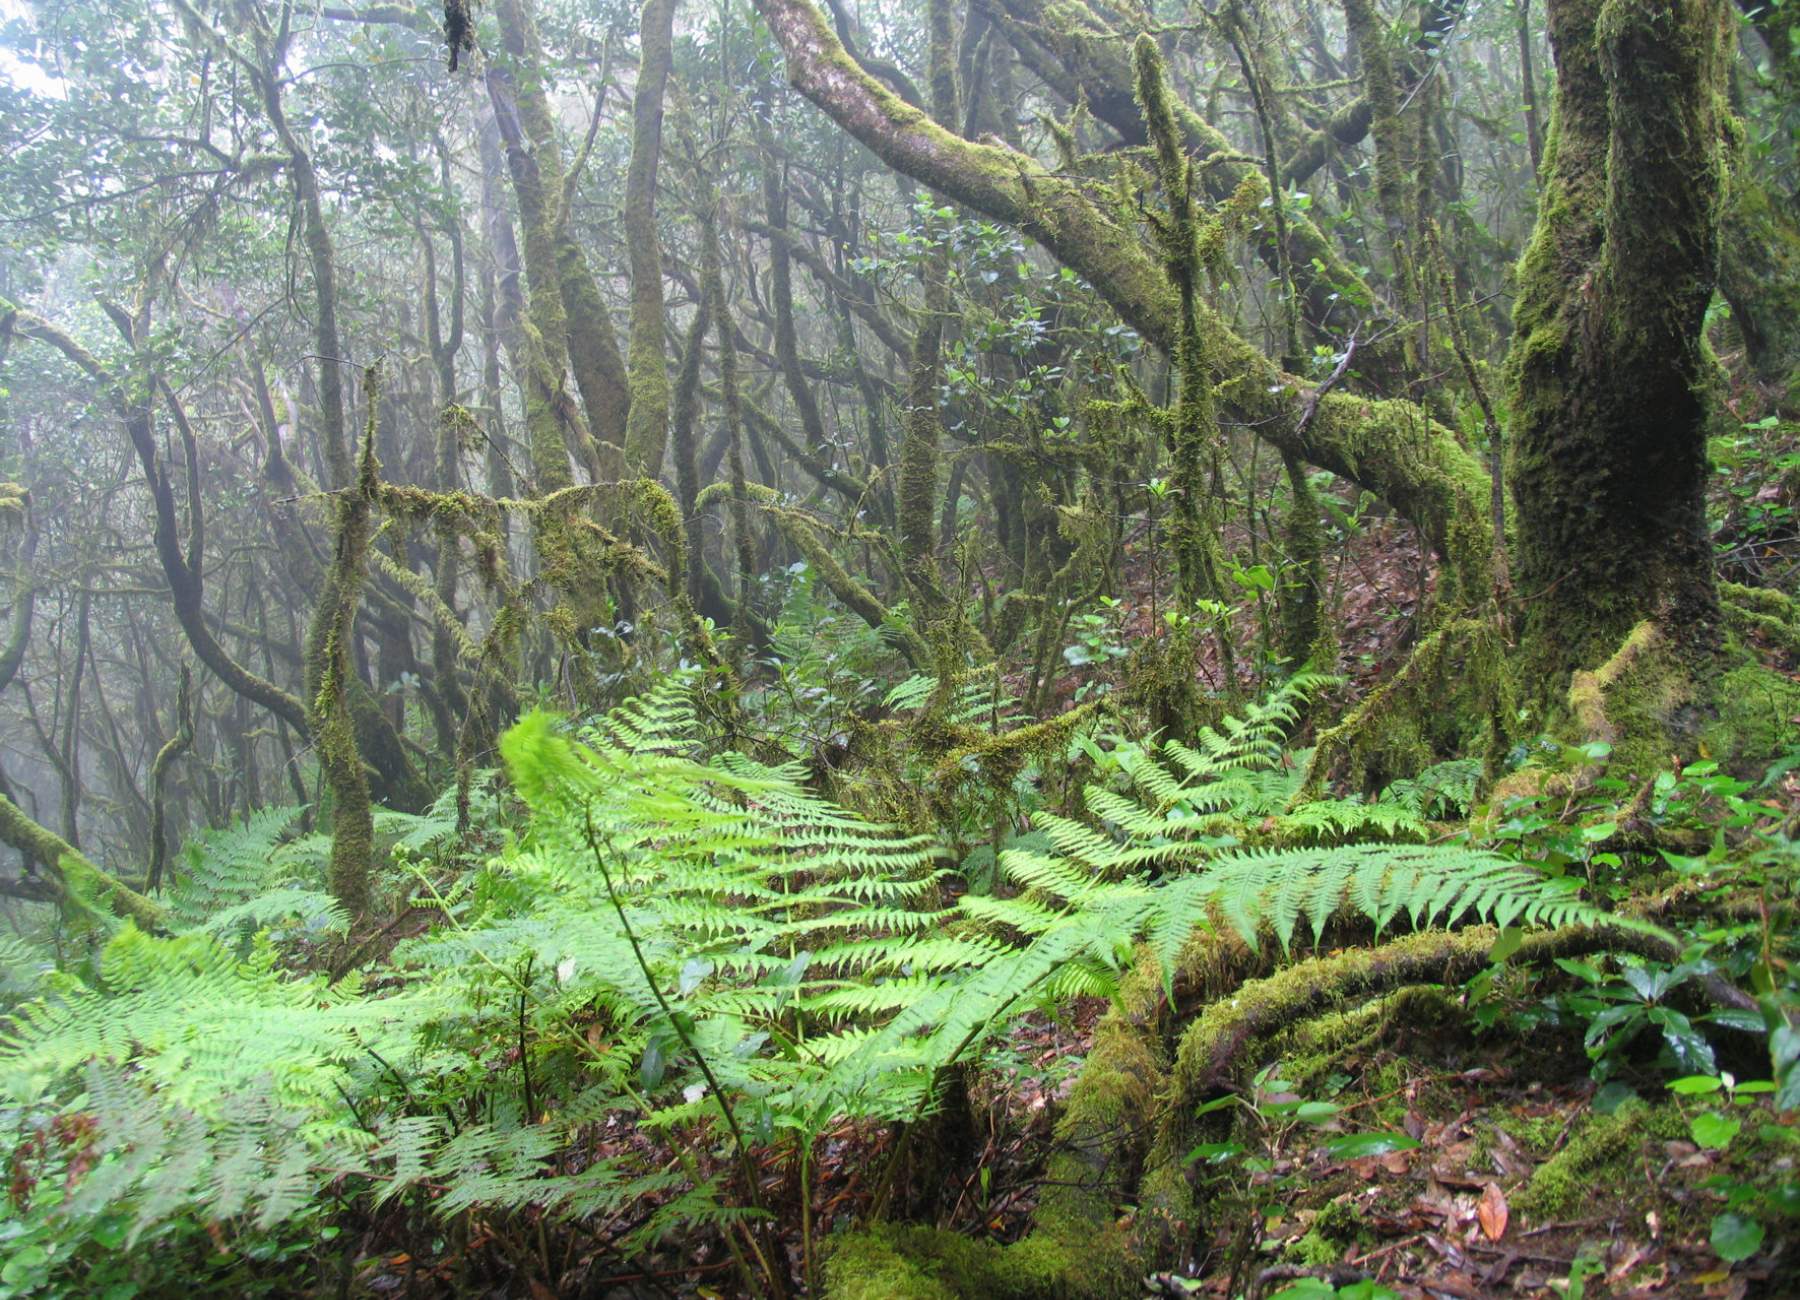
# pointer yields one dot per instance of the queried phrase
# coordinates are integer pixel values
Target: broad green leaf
(1736, 1237)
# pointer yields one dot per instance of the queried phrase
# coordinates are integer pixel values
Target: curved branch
(1391, 448)
(185, 585)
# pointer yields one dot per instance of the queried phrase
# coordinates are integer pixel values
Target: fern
(976, 699)
(1238, 774)
(806, 955)
(224, 869)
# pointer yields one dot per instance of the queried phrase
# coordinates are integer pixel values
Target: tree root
(1131, 1121)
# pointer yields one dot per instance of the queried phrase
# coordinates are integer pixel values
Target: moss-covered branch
(1391, 448)
(72, 868)
(1094, 57)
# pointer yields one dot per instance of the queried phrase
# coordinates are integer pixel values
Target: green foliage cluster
(703, 944)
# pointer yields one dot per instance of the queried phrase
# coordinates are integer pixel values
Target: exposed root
(1131, 1121)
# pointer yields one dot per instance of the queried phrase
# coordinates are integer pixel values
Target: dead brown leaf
(1493, 1212)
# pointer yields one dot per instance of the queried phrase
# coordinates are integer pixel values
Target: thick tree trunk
(1608, 457)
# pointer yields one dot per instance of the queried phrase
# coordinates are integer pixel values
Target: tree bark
(1608, 450)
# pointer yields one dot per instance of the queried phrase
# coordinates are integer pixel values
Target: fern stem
(742, 1148)
(524, 1058)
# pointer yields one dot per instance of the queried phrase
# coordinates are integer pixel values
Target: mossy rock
(895, 1262)
(1604, 1151)
(1607, 1156)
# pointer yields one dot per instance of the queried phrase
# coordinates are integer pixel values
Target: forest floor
(1502, 1169)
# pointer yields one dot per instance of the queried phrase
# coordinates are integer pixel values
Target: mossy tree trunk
(1368, 30)
(1608, 460)
(647, 426)
(446, 699)
(919, 450)
(586, 331)
(1193, 425)
(712, 288)
(331, 675)
(553, 429)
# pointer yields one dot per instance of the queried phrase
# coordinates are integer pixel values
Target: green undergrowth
(653, 930)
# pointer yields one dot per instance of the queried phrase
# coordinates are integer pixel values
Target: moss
(1536, 1133)
(1768, 613)
(1602, 1151)
(1756, 723)
(894, 1262)
(1643, 701)
(1369, 31)
(1091, 238)
(1334, 1229)
(799, 530)
(1759, 274)
(1192, 427)
(647, 422)
(1315, 1251)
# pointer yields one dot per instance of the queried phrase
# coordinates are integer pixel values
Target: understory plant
(698, 944)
